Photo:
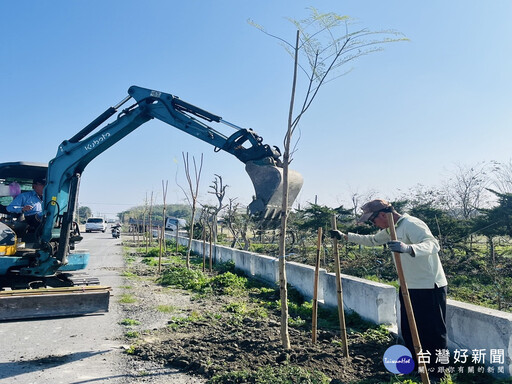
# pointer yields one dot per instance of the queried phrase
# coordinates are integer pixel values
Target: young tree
(192, 198)
(318, 51)
(219, 190)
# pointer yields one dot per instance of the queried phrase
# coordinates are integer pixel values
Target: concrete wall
(470, 327)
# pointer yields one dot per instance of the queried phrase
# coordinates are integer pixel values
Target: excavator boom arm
(73, 155)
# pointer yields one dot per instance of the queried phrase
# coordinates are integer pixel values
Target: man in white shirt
(423, 272)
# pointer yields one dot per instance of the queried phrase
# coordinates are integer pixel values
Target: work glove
(400, 247)
(335, 234)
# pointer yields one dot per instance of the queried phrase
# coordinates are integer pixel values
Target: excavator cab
(67, 292)
(16, 178)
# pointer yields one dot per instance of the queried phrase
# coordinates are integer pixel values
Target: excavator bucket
(53, 302)
(268, 185)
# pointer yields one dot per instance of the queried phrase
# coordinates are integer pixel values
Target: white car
(95, 224)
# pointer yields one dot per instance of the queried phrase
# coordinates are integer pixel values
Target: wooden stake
(204, 248)
(160, 243)
(407, 302)
(339, 288)
(211, 249)
(315, 286)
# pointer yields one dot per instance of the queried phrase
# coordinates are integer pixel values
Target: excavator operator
(30, 204)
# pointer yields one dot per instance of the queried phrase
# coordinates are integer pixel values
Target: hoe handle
(407, 302)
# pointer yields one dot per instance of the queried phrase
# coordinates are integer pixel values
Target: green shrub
(229, 284)
(181, 277)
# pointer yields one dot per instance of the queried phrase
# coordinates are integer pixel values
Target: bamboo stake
(161, 243)
(211, 249)
(204, 248)
(341, 312)
(315, 286)
(177, 237)
(407, 302)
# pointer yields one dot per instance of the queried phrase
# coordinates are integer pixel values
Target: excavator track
(29, 304)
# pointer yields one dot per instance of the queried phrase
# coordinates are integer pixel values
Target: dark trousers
(429, 307)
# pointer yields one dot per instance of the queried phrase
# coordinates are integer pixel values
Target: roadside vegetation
(470, 214)
(212, 338)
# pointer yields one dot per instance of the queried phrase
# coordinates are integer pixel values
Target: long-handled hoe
(407, 302)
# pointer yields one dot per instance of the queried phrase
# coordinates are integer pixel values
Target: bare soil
(201, 336)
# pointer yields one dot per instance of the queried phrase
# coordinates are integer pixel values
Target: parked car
(95, 224)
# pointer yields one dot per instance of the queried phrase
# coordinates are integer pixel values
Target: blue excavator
(40, 269)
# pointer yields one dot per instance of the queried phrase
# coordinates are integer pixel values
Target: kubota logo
(97, 141)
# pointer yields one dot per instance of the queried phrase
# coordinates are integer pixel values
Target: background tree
(191, 197)
(323, 44)
(446, 228)
(467, 191)
(83, 214)
(502, 176)
(237, 224)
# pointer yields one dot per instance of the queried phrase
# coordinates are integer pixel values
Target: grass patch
(127, 299)
(129, 275)
(129, 322)
(132, 334)
(167, 308)
(178, 321)
(272, 375)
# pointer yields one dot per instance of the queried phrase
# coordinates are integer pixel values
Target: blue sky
(401, 117)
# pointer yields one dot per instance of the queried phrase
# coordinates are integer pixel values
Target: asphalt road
(78, 350)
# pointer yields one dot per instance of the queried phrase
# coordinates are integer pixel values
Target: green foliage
(166, 308)
(286, 374)
(181, 277)
(153, 252)
(181, 211)
(228, 266)
(131, 350)
(318, 216)
(377, 334)
(127, 299)
(497, 220)
(151, 261)
(83, 214)
(446, 227)
(132, 334)
(264, 249)
(178, 321)
(296, 322)
(129, 274)
(237, 308)
(228, 284)
(129, 322)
